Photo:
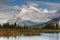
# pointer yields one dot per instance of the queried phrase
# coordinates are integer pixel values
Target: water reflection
(43, 36)
(51, 36)
(54, 36)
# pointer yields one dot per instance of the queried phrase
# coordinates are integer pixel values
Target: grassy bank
(26, 32)
(15, 32)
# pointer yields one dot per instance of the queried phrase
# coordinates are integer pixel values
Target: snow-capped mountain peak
(34, 14)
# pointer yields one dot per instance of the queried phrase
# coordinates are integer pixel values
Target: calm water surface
(43, 36)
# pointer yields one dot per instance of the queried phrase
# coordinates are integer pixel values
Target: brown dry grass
(26, 32)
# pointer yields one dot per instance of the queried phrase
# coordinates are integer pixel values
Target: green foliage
(12, 26)
(51, 26)
(15, 26)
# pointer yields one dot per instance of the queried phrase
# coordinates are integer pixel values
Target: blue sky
(25, 2)
(21, 2)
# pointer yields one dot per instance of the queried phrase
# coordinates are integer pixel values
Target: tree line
(12, 26)
(51, 26)
(15, 26)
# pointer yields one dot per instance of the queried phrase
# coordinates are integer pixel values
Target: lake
(43, 36)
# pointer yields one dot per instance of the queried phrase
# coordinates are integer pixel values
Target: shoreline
(25, 32)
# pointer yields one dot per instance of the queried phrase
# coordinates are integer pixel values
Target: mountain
(54, 20)
(38, 25)
(31, 15)
(21, 23)
(27, 23)
(28, 15)
(54, 23)
(36, 15)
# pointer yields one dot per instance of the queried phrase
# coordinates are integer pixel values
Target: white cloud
(55, 5)
(3, 16)
(7, 12)
(6, 7)
(33, 4)
(50, 4)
